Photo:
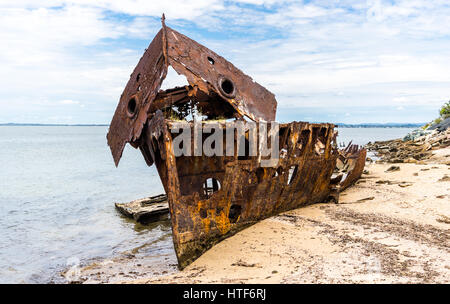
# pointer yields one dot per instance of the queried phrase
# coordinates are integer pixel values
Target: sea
(58, 185)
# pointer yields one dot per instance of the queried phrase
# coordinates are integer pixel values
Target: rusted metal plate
(353, 158)
(247, 193)
(131, 112)
(204, 69)
(208, 70)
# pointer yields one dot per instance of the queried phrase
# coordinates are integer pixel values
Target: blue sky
(370, 61)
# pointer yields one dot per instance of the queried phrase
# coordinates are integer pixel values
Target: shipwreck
(211, 197)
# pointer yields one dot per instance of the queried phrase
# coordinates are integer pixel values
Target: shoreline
(391, 227)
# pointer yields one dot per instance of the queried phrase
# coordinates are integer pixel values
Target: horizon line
(107, 125)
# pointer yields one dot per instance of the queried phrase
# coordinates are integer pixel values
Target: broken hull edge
(199, 223)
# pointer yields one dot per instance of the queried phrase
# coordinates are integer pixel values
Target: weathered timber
(145, 210)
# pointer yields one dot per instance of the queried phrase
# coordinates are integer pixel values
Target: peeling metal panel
(204, 70)
(145, 81)
(208, 70)
(354, 159)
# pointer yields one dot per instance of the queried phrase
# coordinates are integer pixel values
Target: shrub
(437, 120)
(445, 110)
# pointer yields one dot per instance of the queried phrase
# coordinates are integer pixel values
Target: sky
(374, 61)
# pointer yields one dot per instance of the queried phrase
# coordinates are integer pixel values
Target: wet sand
(391, 227)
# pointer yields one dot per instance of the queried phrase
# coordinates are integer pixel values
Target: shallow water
(362, 136)
(57, 188)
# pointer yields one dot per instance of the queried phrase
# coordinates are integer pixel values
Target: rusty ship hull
(212, 197)
(246, 192)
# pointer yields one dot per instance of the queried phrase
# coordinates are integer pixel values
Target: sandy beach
(391, 227)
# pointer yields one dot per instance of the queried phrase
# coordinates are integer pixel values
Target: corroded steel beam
(353, 159)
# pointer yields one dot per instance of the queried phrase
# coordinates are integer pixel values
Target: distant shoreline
(50, 125)
(339, 125)
(375, 125)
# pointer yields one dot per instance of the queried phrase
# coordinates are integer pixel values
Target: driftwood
(145, 210)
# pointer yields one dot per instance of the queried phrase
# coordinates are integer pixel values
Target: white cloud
(400, 99)
(188, 10)
(318, 54)
(41, 35)
(69, 102)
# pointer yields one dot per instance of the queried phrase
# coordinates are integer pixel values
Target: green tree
(445, 110)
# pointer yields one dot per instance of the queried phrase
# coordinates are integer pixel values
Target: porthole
(227, 88)
(132, 107)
